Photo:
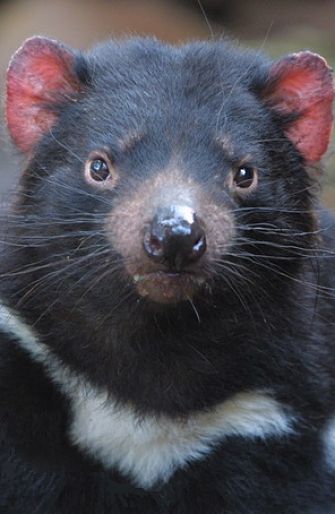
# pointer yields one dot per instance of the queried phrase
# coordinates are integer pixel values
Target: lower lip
(163, 287)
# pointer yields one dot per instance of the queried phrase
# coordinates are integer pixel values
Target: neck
(195, 354)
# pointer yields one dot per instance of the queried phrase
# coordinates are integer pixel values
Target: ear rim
(296, 59)
(321, 96)
(38, 45)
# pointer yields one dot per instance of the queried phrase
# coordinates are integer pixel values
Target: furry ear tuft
(40, 76)
(301, 85)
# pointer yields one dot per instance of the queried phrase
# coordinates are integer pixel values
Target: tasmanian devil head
(167, 174)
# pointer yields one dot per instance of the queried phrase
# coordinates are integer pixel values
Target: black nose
(175, 237)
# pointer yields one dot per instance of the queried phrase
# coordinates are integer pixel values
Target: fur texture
(112, 401)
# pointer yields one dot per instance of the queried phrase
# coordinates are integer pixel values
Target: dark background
(276, 26)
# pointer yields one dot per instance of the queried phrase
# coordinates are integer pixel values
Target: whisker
(194, 309)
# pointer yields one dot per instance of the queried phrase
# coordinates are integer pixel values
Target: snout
(173, 242)
(170, 232)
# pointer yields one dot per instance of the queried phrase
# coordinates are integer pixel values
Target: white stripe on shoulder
(148, 448)
(11, 324)
(328, 437)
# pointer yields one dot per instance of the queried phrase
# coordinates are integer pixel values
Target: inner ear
(41, 76)
(300, 86)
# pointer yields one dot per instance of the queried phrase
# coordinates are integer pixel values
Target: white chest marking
(148, 448)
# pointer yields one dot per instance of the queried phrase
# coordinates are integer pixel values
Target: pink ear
(40, 75)
(301, 85)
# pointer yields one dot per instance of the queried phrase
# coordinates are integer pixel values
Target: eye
(245, 177)
(99, 170)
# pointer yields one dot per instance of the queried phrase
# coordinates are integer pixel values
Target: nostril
(153, 246)
(155, 243)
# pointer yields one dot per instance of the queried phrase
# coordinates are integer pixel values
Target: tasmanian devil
(167, 283)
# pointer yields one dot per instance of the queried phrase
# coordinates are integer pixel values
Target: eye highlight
(245, 177)
(99, 170)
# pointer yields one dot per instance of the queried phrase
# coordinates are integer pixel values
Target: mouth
(168, 287)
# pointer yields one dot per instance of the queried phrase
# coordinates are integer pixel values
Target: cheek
(125, 228)
(220, 229)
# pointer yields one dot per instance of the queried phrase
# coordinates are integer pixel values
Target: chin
(169, 287)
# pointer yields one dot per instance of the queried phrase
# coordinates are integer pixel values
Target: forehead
(196, 91)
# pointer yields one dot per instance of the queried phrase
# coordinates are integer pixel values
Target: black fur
(270, 327)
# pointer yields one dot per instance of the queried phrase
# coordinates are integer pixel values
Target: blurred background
(275, 26)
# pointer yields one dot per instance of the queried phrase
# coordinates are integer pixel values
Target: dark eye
(245, 177)
(99, 170)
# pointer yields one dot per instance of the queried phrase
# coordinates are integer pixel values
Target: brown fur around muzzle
(131, 220)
